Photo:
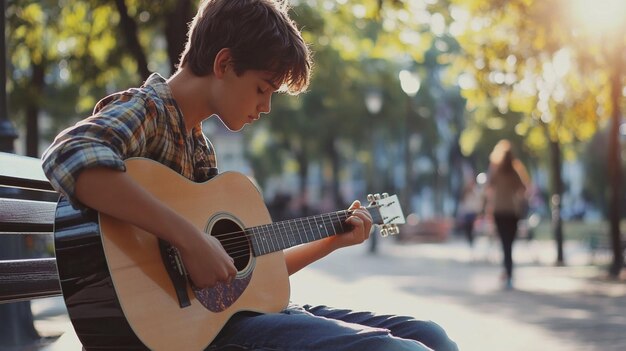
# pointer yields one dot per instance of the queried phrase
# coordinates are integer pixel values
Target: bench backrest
(27, 207)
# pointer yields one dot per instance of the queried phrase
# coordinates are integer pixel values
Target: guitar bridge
(176, 272)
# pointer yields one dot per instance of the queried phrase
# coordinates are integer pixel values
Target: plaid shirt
(141, 122)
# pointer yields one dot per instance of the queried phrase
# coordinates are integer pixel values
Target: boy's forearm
(118, 195)
(301, 256)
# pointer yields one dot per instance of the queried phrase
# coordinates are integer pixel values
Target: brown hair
(503, 160)
(260, 35)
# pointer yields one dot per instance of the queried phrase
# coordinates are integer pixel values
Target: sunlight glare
(600, 16)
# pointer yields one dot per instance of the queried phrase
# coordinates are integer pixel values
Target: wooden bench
(599, 243)
(27, 207)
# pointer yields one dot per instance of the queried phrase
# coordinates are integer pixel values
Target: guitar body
(114, 276)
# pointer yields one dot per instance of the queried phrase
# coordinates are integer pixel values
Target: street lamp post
(373, 103)
(410, 84)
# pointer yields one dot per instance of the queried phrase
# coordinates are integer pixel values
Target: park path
(551, 308)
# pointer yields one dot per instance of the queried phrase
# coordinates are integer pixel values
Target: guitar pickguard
(227, 229)
(222, 295)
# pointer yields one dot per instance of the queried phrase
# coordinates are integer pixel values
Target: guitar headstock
(386, 212)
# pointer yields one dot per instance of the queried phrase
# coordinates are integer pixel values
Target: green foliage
(526, 56)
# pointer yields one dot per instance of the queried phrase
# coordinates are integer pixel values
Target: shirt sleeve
(117, 130)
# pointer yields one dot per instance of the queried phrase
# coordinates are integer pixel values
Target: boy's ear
(222, 60)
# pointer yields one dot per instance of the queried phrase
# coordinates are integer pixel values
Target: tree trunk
(338, 200)
(32, 110)
(129, 31)
(557, 193)
(407, 193)
(615, 165)
(303, 172)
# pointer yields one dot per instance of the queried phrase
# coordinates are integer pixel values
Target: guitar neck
(277, 236)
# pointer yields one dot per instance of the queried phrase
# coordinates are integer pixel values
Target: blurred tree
(601, 42)
(350, 58)
(78, 51)
(521, 57)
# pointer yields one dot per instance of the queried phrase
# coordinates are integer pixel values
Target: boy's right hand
(118, 195)
(206, 261)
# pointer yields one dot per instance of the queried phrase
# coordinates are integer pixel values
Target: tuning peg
(377, 196)
(385, 195)
(394, 229)
(384, 232)
(370, 197)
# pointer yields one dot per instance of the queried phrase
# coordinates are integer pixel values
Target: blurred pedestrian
(506, 200)
(470, 206)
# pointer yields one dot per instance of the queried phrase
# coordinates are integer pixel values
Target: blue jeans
(318, 328)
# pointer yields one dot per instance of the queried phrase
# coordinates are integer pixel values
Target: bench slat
(22, 172)
(25, 216)
(28, 279)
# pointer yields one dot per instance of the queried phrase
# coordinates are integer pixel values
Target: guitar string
(299, 225)
(242, 246)
(243, 249)
(238, 244)
(319, 220)
(313, 218)
(324, 221)
(296, 228)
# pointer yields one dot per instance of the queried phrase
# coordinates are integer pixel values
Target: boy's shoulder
(154, 93)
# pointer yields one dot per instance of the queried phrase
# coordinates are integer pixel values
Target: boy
(239, 52)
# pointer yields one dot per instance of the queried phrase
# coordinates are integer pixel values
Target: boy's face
(241, 99)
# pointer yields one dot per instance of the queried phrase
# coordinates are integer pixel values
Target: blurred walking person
(507, 201)
(470, 206)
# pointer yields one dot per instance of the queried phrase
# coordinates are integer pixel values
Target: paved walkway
(551, 308)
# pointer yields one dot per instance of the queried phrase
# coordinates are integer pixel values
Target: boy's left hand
(361, 223)
(301, 256)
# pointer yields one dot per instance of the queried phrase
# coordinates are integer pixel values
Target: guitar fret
(274, 239)
(255, 240)
(268, 239)
(332, 224)
(294, 229)
(282, 237)
(264, 244)
(316, 233)
(328, 226)
(302, 230)
(306, 234)
(299, 234)
(325, 226)
(340, 223)
(261, 240)
(275, 233)
(292, 234)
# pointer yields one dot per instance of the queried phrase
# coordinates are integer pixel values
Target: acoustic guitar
(126, 289)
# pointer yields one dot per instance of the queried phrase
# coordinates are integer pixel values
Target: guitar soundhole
(234, 241)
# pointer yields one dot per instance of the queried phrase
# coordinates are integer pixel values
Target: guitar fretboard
(277, 236)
